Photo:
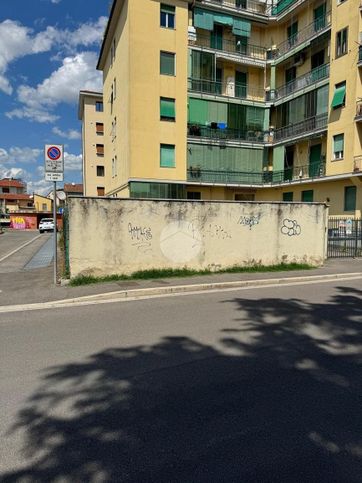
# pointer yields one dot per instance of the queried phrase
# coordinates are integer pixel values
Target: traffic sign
(54, 162)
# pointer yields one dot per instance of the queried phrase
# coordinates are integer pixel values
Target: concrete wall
(110, 236)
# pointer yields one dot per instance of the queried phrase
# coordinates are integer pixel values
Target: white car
(46, 224)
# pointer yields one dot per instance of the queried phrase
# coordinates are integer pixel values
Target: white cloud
(72, 162)
(17, 41)
(17, 155)
(63, 85)
(71, 134)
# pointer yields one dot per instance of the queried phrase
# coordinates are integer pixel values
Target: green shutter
(167, 156)
(167, 108)
(278, 158)
(288, 196)
(338, 143)
(339, 96)
(307, 196)
(167, 63)
(322, 99)
(241, 28)
(167, 8)
(198, 111)
(350, 198)
(203, 19)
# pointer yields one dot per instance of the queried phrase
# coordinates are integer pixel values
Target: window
(193, 195)
(292, 33)
(288, 196)
(99, 106)
(44, 207)
(114, 88)
(167, 63)
(115, 166)
(100, 170)
(350, 198)
(342, 42)
(100, 149)
(99, 128)
(167, 156)
(339, 96)
(100, 190)
(167, 109)
(113, 170)
(6, 190)
(167, 16)
(338, 146)
(244, 197)
(114, 129)
(307, 196)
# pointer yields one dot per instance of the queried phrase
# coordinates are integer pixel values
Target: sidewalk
(35, 286)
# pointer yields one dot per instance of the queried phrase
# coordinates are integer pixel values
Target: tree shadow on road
(280, 403)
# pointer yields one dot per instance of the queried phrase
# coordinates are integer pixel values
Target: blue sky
(48, 52)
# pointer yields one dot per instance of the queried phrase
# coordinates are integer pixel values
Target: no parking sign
(54, 162)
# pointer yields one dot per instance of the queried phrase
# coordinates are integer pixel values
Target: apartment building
(232, 100)
(95, 171)
(13, 196)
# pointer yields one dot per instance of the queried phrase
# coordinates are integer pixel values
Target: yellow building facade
(234, 100)
(96, 170)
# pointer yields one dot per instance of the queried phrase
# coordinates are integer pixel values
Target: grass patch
(184, 272)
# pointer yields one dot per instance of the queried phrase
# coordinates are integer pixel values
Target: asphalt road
(13, 241)
(260, 385)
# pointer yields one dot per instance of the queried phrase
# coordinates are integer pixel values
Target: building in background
(42, 203)
(13, 196)
(231, 100)
(73, 189)
(95, 171)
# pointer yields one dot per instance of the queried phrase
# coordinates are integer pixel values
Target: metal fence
(344, 238)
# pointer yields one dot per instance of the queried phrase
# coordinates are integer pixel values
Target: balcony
(251, 6)
(303, 128)
(359, 61)
(290, 175)
(308, 33)
(218, 131)
(236, 48)
(226, 89)
(306, 80)
(357, 163)
(358, 116)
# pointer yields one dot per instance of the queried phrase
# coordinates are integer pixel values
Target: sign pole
(55, 233)
(54, 171)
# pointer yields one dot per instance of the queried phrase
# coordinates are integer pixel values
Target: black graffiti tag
(291, 227)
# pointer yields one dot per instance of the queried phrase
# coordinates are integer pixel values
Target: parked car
(46, 224)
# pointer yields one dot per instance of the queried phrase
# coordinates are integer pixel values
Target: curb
(134, 294)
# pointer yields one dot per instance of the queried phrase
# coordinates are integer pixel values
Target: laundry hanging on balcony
(204, 19)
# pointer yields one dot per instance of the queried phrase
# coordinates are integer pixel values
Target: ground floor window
(157, 190)
(244, 197)
(307, 196)
(350, 198)
(288, 196)
(193, 195)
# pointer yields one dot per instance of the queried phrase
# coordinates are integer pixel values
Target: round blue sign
(54, 153)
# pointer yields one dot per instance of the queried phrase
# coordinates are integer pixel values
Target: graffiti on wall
(22, 223)
(291, 227)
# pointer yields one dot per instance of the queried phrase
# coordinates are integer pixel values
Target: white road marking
(19, 248)
(127, 296)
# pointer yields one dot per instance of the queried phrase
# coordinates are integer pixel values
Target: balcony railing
(288, 175)
(317, 27)
(358, 111)
(227, 89)
(303, 127)
(357, 163)
(252, 6)
(223, 45)
(218, 131)
(360, 55)
(315, 75)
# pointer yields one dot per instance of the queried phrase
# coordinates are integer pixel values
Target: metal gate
(344, 238)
